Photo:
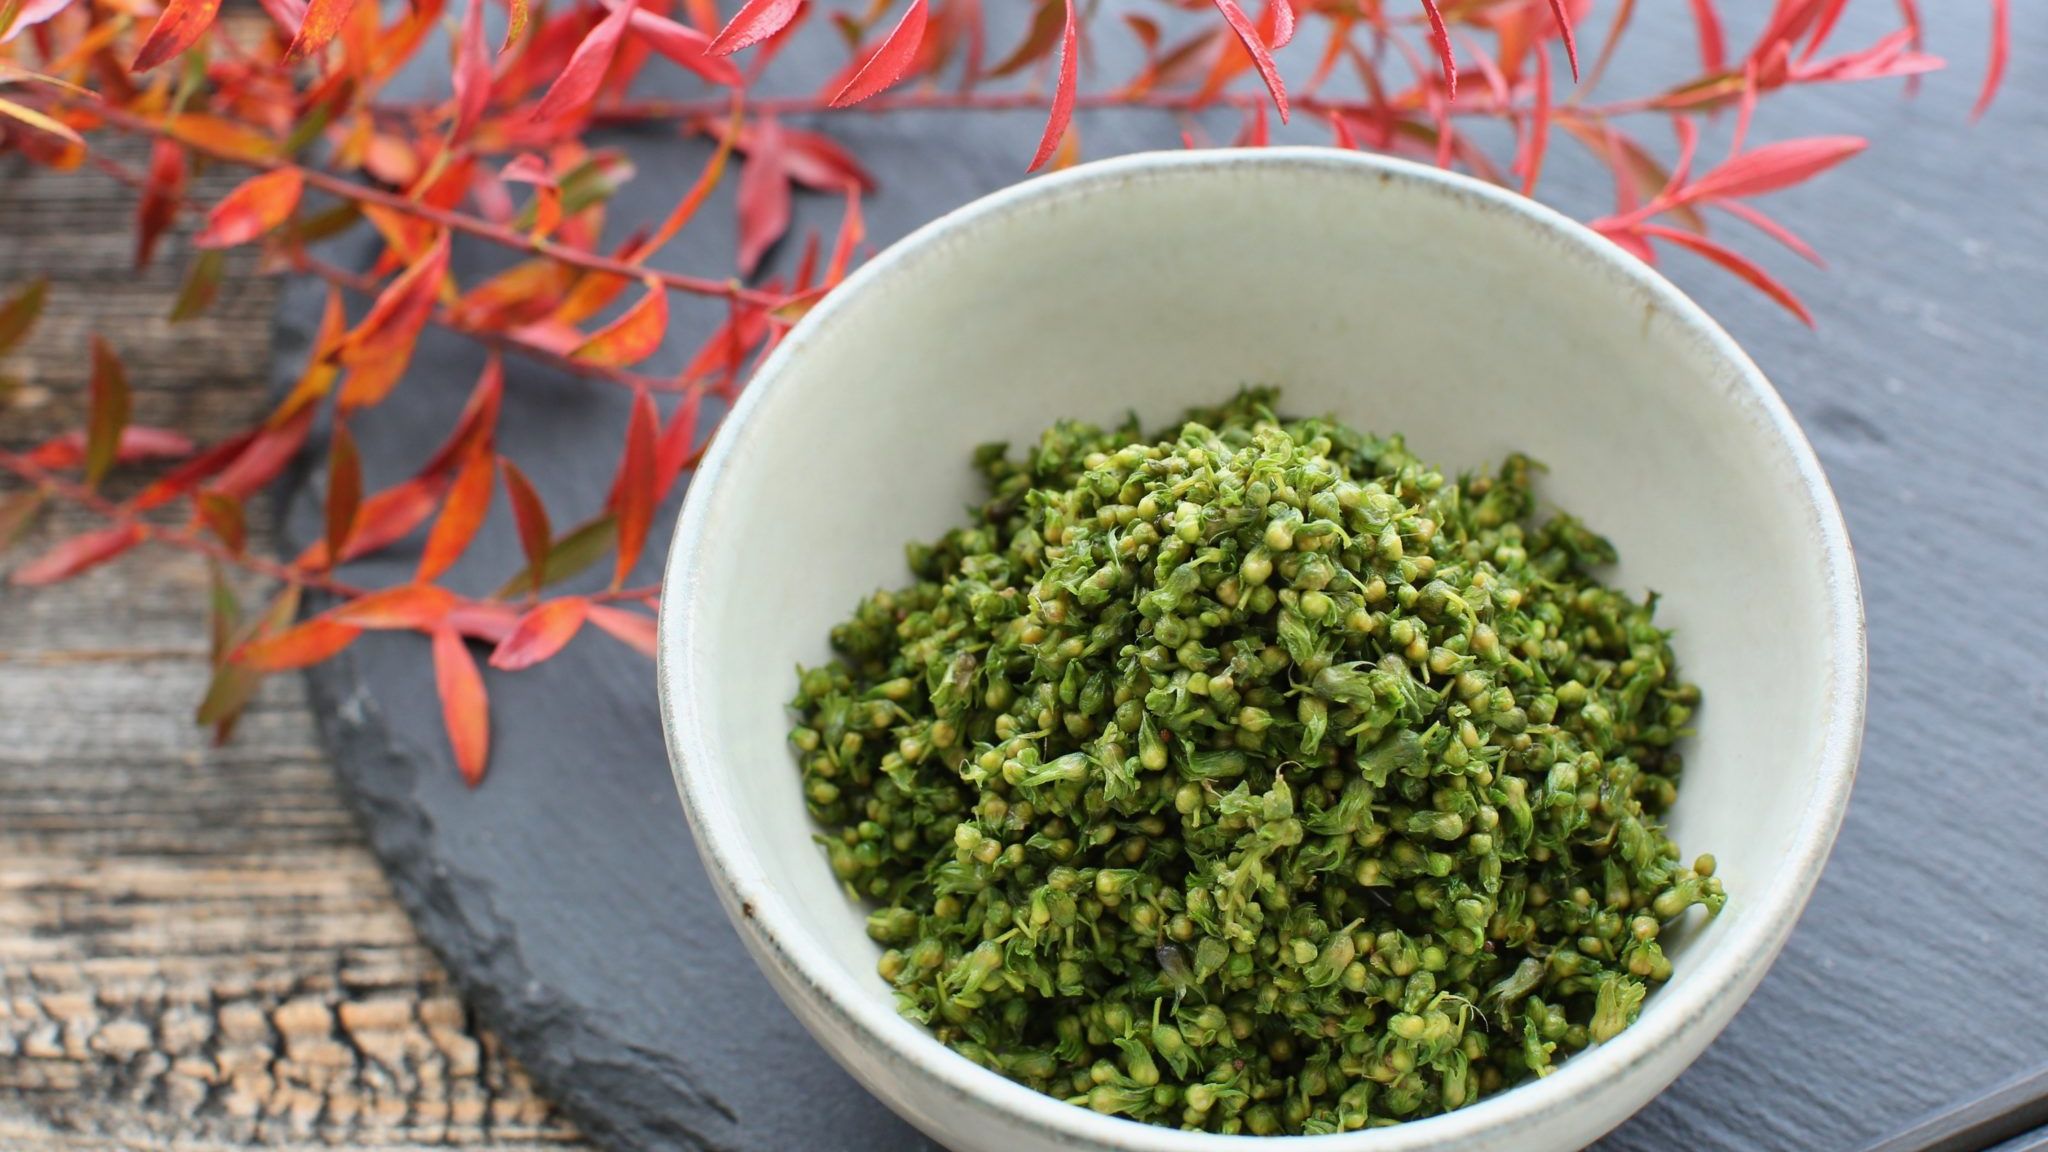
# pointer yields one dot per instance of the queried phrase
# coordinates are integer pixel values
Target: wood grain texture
(196, 948)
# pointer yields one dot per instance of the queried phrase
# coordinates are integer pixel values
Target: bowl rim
(781, 942)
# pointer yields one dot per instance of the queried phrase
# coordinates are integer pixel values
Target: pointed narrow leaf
(1440, 37)
(1713, 45)
(1735, 263)
(265, 457)
(890, 61)
(634, 336)
(1561, 11)
(582, 547)
(404, 607)
(1248, 35)
(2001, 50)
(401, 309)
(1536, 141)
(756, 21)
(461, 515)
(673, 451)
(257, 206)
(193, 472)
(764, 197)
(324, 20)
(78, 554)
(107, 416)
(385, 518)
(541, 633)
(714, 170)
(344, 489)
(1282, 12)
(683, 45)
(1039, 38)
(633, 502)
(635, 630)
(17, 512)
(531, 516)
(222, 514)
(157, 207)
(1773, 229)
(465, 709)
(18, 314)
(478, 422)
(472, 70)
(181, 25)
(1062, 112)
(573, 90)
(517, 16)
(306, 644)
(201, 285)
(1774, 166)
(234, 684)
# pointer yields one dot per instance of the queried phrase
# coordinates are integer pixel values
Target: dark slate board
(567, 899)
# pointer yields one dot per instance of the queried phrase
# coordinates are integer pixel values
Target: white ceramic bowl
(1395, 296)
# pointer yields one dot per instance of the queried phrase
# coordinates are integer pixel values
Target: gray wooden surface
(195, 944)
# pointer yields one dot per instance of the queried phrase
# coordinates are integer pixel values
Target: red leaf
(465, 709)
(181, 25)
(1248, 35)
(404, 607)
(478, 421)
(265, 457)
(258, 205)
(30, 14)
(344, 489)
(1774, 166)
(756, 21)
(2001, 49)
(1283, 21)
(678, 441)
(1773, 229)
(158, 206)
(1530, 162)
(530, 514)
(573, 90)
(1733, 262)
(297, 647)
(637, 631)
(633, 494)
(78, 554)
(1713, 46)
(714, 170)
(817, 161)
(107, 415)
(223, 515)
(483, 620)
(180, 480)
(684, 45)
(541, 633)
(852, 230)
(1062, 113)
(386, 518)
(461, 515)
(472, 73)
(324, 19)
(634, 336)
(1440, 36)
(1564, 27)
(379, 347)
(889, 62)
(764, 197)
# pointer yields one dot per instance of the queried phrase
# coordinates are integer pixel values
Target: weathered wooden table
(194, 942)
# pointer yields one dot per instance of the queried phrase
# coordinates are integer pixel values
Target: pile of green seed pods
(1256, 777)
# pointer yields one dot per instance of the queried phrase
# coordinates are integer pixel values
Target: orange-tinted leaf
(541, 633)
(180, 26)
(1248, 35)
(258, 205)
(472, 71)
(138, 443)
(634, 336)
(756, 21)
(890, 61)
(571, 93)
(530, 514)
(197, 470)
(158, 205)
(386, 518)
(306, 644)
(465, 709)
(461, 515)
(633, 493)
(477, 423)
(225, 138)
(18, 313)
(1062, 113)
(714, 170)
(107, 415)
(520, 294)
(344, 489)
(401, 309)
(78, 554)
(483, 620)
(635, 630)
(764, 197)
(683, 45)
(583, 546)
(1046, 19)
(265, 457)
(1735, 263)
(222, 514)
(404, 607)
(40, 121)
(17, 512)
(324, 20)
(517, 17)
(201, 285)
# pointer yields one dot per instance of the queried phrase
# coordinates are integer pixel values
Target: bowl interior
(1392, 300)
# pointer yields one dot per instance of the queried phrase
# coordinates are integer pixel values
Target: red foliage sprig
(507, 159)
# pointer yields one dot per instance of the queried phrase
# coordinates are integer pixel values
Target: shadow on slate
(567, 900)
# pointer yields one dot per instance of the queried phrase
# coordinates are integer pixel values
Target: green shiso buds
(1256, 778)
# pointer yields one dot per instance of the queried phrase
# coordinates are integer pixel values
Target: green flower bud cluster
(1257, 778)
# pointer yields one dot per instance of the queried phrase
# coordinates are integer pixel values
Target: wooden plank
(196, 948)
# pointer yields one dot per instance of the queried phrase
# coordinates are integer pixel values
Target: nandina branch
(456, 221)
